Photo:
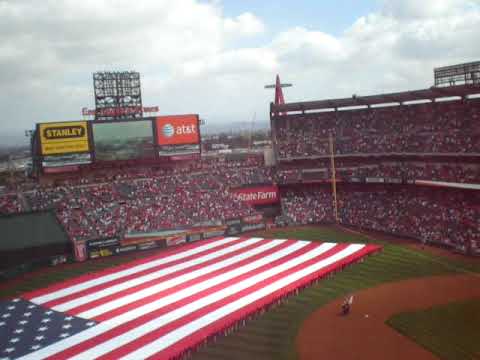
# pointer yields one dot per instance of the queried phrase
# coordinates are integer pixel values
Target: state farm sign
(258, 195)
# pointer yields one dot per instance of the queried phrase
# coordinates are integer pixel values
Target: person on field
(347, 305)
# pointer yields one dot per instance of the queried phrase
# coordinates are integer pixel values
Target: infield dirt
(363, 334)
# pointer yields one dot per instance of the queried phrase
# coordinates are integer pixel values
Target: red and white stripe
(160, 306)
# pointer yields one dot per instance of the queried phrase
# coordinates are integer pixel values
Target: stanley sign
(64, 137)
(72, 132)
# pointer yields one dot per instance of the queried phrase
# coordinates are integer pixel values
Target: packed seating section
(440, 128)
(393, 144)
(146, 204)
(447, 217)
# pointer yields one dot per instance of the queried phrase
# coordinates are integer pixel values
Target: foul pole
(334, 180)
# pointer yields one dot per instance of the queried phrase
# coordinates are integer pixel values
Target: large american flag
(163, 305)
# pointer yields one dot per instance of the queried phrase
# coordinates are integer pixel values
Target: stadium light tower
(279, 99)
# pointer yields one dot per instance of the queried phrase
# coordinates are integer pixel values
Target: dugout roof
(30, 230)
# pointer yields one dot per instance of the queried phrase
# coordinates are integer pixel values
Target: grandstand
(387, 148)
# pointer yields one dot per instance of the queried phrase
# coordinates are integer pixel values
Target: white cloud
(238, 61)
(48, 49)
(414, 9)
(311, 46)
(195, 59)
(393, 49)
(244, 24)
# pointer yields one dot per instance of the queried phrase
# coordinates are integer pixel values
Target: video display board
(123, 140)
(178, 135)
(63, 137)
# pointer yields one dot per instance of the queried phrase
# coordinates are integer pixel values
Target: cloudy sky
(214, 57)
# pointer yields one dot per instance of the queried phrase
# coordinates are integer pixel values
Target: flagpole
(334, 181)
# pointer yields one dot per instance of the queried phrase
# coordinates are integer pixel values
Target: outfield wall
(132, 242)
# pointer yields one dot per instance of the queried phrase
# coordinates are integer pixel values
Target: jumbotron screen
(178, 135)
(123, 140)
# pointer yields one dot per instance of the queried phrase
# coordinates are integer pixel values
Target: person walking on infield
(347, 305)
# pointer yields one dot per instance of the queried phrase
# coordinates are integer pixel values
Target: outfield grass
(272, 335)
(450, 331)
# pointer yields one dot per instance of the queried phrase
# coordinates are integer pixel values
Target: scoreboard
(70, 144)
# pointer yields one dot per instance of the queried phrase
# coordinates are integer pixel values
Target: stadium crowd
(113, 201)
(143, 204)
(446, 127)
(443, 216)
(307, 206)
(448, 217)
(147, 199)
(10, 204)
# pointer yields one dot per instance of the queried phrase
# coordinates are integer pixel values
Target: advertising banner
(119, 111)
(213, 233)
(258, 195)
(393, 180)
(252, 227)
(235, 221)
(374, 180)
(194, 237)
(63, 137)
(179, 152)
(177, 130)
(158, 236)
(80, 251)
(125, 140)
(148, 245)
(176, 240)
(234, 229)
(95, 244)
(125, 249)
(101, 253)
(66, 161)
(188, 157)
(61, 169)
(102, 247)
(252, 219)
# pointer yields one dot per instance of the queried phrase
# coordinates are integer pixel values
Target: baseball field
(409, 302)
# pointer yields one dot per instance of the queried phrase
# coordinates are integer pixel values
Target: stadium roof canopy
(392, 98)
